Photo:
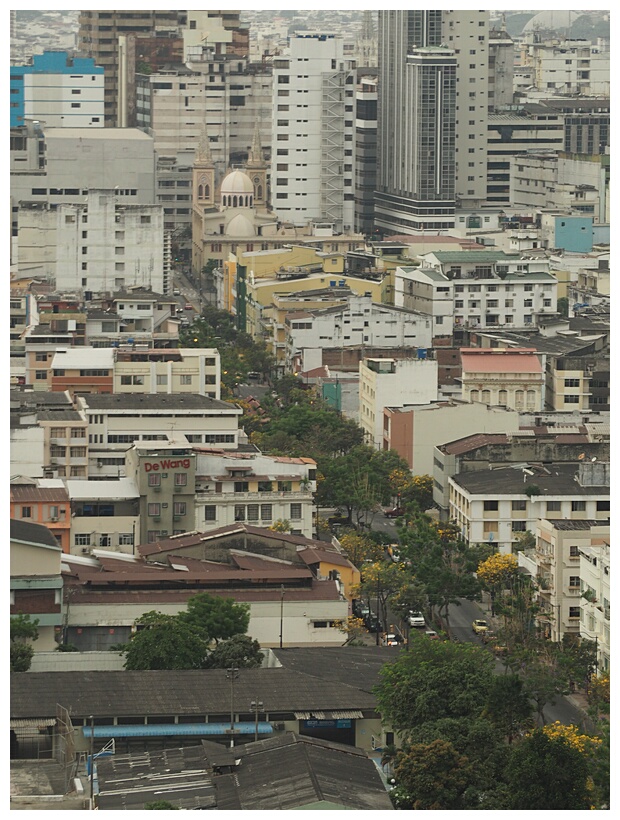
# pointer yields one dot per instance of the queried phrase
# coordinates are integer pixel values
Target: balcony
(260, 498)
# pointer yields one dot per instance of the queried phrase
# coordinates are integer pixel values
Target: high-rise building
(58, 90)
(98, 37)
(312, 170)
(432, 105)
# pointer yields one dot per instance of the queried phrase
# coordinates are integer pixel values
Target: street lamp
(256, 706)
(232, 674)
(281, 612)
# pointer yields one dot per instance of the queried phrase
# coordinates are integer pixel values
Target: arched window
(235, 201)
(201, 192)
(502, 397)
(251, 200)
(531, 399)
(473, 395)
(486, 397)
(259, 192)
(518, 399)
(207, 193)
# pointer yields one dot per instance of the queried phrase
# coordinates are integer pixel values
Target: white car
(416, 619)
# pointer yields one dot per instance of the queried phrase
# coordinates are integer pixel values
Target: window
(490, 506)
(571, 399)
(285, 486)
(180, 508)
(252, 512)
(145, 220)
(239, 512)
(574, 612)
(519, 526)
(40, 375)
(162, 379)
(295, 512)
(77, 452)
(573, 551)
(154, 480)
(26, 512)
(210, 512)
(602, 506)
(241, 486)
(180, 479)
(41, 357)
(82, 539)
(553, 506)
(574, 581)
(519, 505)
(578, 506)
(154, 509)
(571, 382)
(266, 512)
(186, 379)
(265, 487)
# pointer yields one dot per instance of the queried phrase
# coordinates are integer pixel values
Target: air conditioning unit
(99, 464)
(85, 550)
(54, 518)
(278, 727)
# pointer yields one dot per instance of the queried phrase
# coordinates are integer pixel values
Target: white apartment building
(594, 572)
(179, 371)
(254, 488)
(312, 158)
(481, 289)
(569, 67)
(360, 322)
(494, 506)
(104, 246)
(116, 421)
(392, 382)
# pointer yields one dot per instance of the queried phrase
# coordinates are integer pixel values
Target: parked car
(360, 608)
(432, 635)
(189, 307)
(176, 292)
(416, 619)
(372, 622)
(395, 512)
(480, 626)
(392, 639)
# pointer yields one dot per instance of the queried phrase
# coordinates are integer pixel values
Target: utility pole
(256, 706)
(281, 612)
(92, 761)
(232, 674)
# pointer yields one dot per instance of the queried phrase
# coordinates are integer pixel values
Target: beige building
(562, 547)
(392, 383)
(495, 506)
(507, 377)
(183, 370)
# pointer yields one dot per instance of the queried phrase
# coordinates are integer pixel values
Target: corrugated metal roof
(32, 723)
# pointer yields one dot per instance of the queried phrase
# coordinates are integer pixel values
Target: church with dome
(235, 217)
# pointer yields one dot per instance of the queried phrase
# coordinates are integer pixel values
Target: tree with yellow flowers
(583, 743)
(353, 628)
(358, 548)
(496, 574)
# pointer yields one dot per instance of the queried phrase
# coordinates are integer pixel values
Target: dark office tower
(432, 103)
(99, 34)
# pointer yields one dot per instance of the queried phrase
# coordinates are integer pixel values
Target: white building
(594, 572)
(179, 371)
(392, 382)
(116, 421)
(103, 246)
(360, 322)
(312, 158)
(254, 488)
(569, 67)
(495, 506)
(481, 289)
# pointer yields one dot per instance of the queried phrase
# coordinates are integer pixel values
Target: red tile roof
(500, 360)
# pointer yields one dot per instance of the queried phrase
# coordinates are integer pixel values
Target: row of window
(552, 506)
(154, 480)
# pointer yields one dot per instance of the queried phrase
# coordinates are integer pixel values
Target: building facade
(313, 157)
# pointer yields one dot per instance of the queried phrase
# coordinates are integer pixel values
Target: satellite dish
(593, 459)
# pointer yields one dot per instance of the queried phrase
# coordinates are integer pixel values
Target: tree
(353, 628)
(497, 573)
(23, 631)
(215, 619)
(161, 804)
(280, 526)
(548, 772)
(359, 547)
(164, 642)
(380, 581)
(508, 706)
(240, 651)
(416, 489)
(563, 306)
(21, 656)
(433, 775)
(434, 680)
(577, 659)
(524, 540)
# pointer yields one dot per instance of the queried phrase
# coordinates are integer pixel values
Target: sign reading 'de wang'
(166, 464)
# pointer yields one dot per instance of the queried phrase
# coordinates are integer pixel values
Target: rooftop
(561, 481)
(500, 360)
(156, 401)
(26, 531)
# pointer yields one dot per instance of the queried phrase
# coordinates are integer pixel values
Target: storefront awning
(351, 714)
(176, 729)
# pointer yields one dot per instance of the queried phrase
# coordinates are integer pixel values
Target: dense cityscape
(310, 410)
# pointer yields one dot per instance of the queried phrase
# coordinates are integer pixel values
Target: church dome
(237, 183)
(240, 225)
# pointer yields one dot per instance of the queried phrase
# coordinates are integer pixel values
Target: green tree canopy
(23, 631)
(240, 651)
(432, 776)
(547, 773)
(508, 705)
(215, 619)
(164, 642)
(434, 680)
(163, 805)
(21, 656)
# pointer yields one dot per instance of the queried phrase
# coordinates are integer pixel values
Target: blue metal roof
(175, 729)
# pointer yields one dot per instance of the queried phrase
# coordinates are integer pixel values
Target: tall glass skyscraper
(432, 104)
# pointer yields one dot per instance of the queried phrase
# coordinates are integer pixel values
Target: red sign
(166, 464)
